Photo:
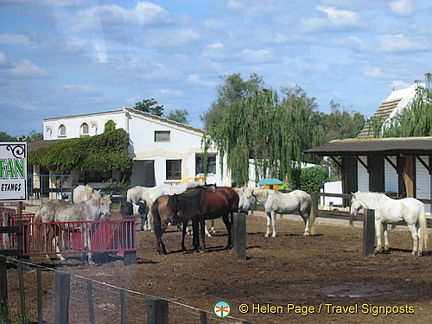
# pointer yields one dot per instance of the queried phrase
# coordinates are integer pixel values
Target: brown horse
(164, 215)
(199, 205)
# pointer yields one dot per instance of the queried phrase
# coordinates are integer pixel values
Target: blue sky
(69, 57)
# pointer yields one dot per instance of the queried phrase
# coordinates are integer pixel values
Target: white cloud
(256, 8)
(14, 39)
(71, 90)
(111, 18)
(3, 59)
(334, 20)
(195, 78)
(401, 7)
(256, 56)
(400, 43)
(24, 69)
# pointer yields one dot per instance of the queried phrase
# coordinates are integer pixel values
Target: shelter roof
(33, 146)
(377, 146)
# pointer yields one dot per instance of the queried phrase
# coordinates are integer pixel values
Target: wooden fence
(75, 299)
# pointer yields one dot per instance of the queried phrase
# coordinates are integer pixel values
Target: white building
(163, 151)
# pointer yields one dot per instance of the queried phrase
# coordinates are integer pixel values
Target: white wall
(423, 182)
(363, 175)
(390, 176)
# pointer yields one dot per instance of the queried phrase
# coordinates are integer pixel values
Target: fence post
(6, 240)
(369, 232)
(129, 257)
(203, 317)
(3, 286)
(90, 301)
(315, 202)
(61, 305)
(24, 318)
(39, 294)
(157, 311)
(122, 306)
(240, 235)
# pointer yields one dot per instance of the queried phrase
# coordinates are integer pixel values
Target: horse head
(104, 204)
(356, 204)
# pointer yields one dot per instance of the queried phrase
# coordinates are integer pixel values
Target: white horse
(285, 203)
(389, 211)
(82, 193)
(244, 194)
(63, 211)
(150, 194)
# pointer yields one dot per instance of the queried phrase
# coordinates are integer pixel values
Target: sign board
(13, 171)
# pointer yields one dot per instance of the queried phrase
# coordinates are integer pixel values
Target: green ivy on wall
(100, 153)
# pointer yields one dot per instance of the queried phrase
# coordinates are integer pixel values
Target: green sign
(13, 171)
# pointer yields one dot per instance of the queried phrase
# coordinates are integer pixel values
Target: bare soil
(296, 278)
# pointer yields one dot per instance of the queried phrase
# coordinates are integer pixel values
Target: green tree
(179, 115)
(33, 136)
(340, 123)
(413, 121)
(232, 89)
(150, 106)
(5, 137)
(260, 127)
(109, 126)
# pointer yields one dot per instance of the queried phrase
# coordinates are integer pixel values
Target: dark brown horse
(163, 214)
(199, 205)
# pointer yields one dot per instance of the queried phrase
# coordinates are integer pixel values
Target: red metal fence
(70, 237)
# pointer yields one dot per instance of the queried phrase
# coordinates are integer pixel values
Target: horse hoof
(306, 234)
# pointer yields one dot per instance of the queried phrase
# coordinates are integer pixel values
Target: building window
(211, 164)
(162, 136)
(62, 130)
(173, 169)
(84, 129)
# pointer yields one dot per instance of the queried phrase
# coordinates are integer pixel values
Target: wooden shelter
(402, 166)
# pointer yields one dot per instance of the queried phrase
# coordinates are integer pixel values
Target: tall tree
(150, 106)
(5, 137)
(232, 89)
(33, 136)
(260, 127)
(179, 115)
(414, 120)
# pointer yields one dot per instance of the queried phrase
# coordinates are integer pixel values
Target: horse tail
(155, 214)
(423, 227)
(311, 213)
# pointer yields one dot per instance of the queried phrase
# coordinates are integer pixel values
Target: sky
(71, 57)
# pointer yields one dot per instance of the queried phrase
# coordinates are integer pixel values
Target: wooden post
(315, 203)
(61, 304)
(157, 311)
(39, 295)
(203, 317)
(6, 240)
(22, 292)
(122, 306)
(3, 286)
(90, 301)
(369, 232)
(240, 235)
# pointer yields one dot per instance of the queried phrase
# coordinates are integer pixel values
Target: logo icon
(221, 309)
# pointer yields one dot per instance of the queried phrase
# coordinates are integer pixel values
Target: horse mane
(187, 204)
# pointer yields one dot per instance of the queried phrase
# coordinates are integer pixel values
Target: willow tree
(262, 128)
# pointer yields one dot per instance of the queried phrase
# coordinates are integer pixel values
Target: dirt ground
(322, 278)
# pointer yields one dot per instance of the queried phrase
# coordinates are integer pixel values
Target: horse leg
(212, 229)
(269, 218)
(273, 219)
(183, 247)
(195, 235)
(207, 233)
(306, 222)
(202, 233)
(378, 228)
(415, 237)
(87, 243)
(160, 246)
(228, 228)
(386, 241)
